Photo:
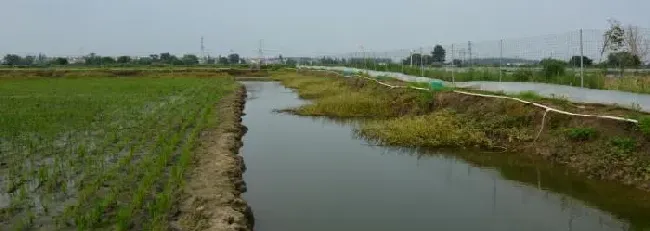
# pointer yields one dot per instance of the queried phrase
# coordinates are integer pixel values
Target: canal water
(308, 173)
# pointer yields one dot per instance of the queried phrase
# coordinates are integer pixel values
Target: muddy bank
(212, 197)
(598, 148)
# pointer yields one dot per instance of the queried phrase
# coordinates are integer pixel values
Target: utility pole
(453, 64)
(421, 63)
(365, 60)
(582, 62)
(469, 49)
(261, 54)
(500, 60)
(387, 61)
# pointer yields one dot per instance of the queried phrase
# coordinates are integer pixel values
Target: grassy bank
(594, 79)
(99, 153)
(599, 148)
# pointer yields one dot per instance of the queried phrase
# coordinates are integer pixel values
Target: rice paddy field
(96, 153)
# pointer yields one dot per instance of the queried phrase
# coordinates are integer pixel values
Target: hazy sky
(293, 27)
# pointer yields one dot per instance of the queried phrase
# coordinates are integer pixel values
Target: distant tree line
(93, 59)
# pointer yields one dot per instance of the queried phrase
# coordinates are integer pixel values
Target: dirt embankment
(212, 197)
(600, 148)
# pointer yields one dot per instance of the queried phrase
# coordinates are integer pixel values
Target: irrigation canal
(315, 174)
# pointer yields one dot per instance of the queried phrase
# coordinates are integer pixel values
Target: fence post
(582, 62)
(421, 63)
(453, 65)
(500, 60)
(402, 63)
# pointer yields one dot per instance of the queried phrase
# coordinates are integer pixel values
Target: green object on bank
(436, 85)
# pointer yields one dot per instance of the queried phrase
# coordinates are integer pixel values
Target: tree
(291, 62)
(210, 60)
(93, 59)
(107, 60)
(233, 58)
(623, 59)
(190, 59)
(123, 59)
(154, 57)
(175, 61)
(13, 60)
(41, 59)
(427, 60)
(166, 58)
(28, 60)
(417, 57)
(457, 62)
(636, 43)
(59, 61)
(145, 60)
(613, 39)
(438, 54)
(281, 59)
(242, 61)
(553, 67)
(222, 60)
(575, 61)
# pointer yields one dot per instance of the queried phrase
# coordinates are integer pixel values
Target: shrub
(624, 144)
(581, 134)
(523, 75)
(530, 95)
(553, 68)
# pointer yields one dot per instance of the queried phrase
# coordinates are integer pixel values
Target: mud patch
(212, 197)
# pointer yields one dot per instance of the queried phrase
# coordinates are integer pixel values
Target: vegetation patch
(439, 129)
(581, 134)
(624, 144)
(644, 125)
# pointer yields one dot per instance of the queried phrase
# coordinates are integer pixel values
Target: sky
(290, 27)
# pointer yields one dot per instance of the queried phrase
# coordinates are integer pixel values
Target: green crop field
(99, 153)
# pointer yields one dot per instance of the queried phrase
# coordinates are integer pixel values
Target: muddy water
(313, 174)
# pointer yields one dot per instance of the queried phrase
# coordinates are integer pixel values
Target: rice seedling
(99, 153)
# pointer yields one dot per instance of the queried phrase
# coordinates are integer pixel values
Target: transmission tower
(202, 49)
(469, 49)
(260, 53)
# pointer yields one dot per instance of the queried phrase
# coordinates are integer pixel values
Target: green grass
(644, 125)
(438, 129)
(581, 134)
(107, 153)
(352, 97)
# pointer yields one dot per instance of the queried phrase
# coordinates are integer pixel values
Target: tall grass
(352, 97)
(439, 129)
